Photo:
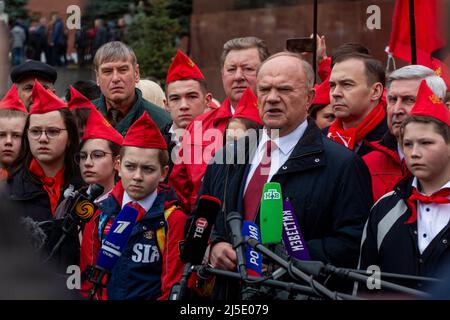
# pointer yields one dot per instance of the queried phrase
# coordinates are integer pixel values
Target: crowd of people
(363, 157)
(47, 41)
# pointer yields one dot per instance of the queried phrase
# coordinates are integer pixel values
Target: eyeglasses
(51, 132)
(94, 155)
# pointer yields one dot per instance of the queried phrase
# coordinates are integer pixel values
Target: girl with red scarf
(45, 166)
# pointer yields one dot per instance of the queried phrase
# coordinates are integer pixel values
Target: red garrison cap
(11, 101)
(183, 68)
(428, 104)
(79, 101)
(322, 93)
(144, 134)
(44, 100)
(247, 107)
(97, 127)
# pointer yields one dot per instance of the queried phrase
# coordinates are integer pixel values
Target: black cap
(34, 68)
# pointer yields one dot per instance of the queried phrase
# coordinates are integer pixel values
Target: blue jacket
(150, 262)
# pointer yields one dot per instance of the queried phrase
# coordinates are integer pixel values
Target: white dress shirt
(279, 154)
(145, 203)
(101, 198)
(431, 219)
(174, 137)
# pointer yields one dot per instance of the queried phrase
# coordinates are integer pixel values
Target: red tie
(437, 197)
(252, 196)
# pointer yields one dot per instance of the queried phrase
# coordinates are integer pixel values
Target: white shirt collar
(145, 203)
(288, 142)
(415, 184)
(232, 109)
(174, 134)
(101, 198)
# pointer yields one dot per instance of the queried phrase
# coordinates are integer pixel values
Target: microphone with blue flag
(113, 246)
(253, 258)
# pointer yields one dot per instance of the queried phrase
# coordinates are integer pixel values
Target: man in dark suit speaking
(327, 185)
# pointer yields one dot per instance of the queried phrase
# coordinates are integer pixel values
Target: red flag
(430, 36)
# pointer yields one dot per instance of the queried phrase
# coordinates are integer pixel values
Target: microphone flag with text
(271, 213)
(113, 245)
(253, 258)
(293, 240)
(197, 239)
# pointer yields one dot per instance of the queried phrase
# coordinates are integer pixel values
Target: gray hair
(415, 71)
(114, 51)
(245, 43)
(307, 68)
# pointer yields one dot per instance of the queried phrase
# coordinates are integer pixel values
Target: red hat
(322, 93)
(44, 100)
(183, 68)
(144, 134)
(11, 101)
(247, 107)
(97, 127)
(428, 104)
(79, 101)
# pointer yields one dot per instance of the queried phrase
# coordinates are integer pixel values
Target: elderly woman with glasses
(45, 166)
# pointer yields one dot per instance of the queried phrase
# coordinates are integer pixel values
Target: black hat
(34, 68)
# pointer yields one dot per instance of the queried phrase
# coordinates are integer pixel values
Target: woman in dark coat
(43, 169)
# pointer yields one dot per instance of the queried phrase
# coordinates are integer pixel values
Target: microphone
(292, 236)
(36, 236)
(234, 220)
(253, 259)
(113, 246)
(192, 250)
(314, 268)
(271, 217)
(194, 247)
(81, 209)
(271, 213)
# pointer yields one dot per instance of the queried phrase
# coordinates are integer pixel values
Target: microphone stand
(287, 286)
(71, 219)
(317, 286)
(96, 278)
(349, 274)
(178, 290)
(397, 276)
(318, 268)
(68, 224)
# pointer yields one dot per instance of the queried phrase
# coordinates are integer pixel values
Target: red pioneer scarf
(350, 137)
(52, 185)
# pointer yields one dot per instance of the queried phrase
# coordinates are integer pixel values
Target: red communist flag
(429, 17)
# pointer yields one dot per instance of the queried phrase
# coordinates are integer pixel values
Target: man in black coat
(327, 184)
